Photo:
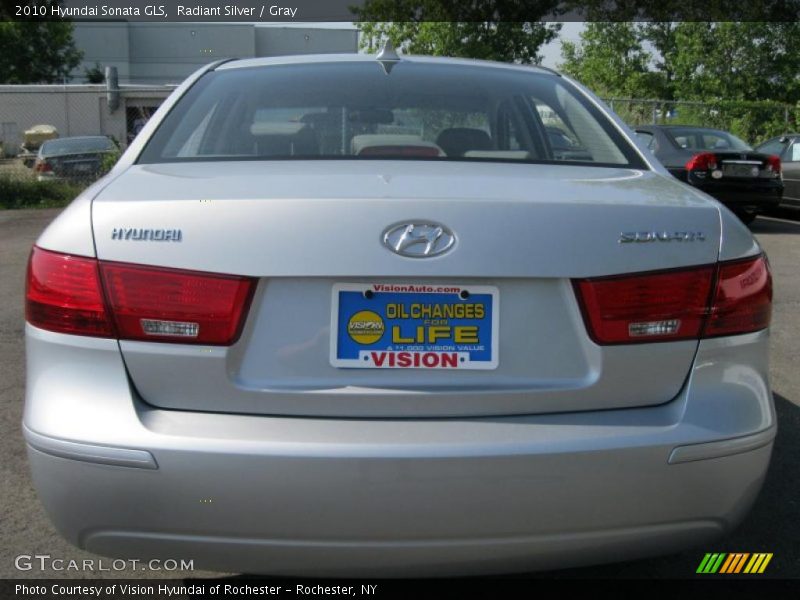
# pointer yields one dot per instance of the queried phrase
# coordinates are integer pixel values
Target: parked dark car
(720, 164)
(72, 158)
(787, 147)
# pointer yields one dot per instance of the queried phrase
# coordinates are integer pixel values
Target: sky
(552, 51)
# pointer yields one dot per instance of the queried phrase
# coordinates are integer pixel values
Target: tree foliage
(460, 29)
(37, 51)
(610, 60)
(689, 60)
(95, 74)
(738, 61)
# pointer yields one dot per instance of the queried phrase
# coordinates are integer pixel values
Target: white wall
(158, 53)
(168, 53)
(104, 43)
(280, 41)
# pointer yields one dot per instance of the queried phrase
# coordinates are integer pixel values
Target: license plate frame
(353, 347)
(740, 171)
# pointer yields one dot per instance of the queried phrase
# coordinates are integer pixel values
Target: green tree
(36, 51)
(610, 60)
(95, 74)
(501, 30)
(738, 61)
(661, 37)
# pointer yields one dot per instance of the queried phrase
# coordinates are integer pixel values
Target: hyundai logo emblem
(419, 240)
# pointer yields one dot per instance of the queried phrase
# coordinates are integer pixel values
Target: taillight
(704, 161)
(742, 299)
(155, 304)
(640, 308)
(66, 294)
(728, 299)
(42, 166)
(774, 164)
(63, 294)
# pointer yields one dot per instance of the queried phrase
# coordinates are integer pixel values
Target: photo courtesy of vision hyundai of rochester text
(394, 316)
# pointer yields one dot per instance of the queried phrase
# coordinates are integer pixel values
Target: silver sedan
(356, 315)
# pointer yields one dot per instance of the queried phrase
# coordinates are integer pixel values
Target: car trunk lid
(302, 228)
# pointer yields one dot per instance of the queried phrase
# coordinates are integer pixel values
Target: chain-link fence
(752, 121)
(57, 139)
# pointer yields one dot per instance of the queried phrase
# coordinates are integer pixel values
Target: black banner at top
(396, 10)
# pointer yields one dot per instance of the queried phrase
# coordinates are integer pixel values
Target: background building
(151, 59)
(158, 53)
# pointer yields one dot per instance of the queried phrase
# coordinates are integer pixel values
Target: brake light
(659, 306)
(742, 299)
(84, 296)
(42, 166)
(704, 161)
(729, 299)
(155, 304)
(774, 164)
(63, 294)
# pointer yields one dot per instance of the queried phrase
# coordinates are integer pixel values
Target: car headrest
(457, 141)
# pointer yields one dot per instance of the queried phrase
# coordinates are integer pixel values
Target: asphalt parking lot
(772, 526)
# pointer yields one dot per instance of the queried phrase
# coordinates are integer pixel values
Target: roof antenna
(388, 57)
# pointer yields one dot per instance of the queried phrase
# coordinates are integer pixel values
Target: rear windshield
(706, 139)
(77, 145)
(356, 110)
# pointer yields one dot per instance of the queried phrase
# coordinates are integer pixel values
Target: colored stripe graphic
(758, 563)
(737, 563)
(733, 563)
(744, 558)
(703, 563)
(711, 563)
(728, 562)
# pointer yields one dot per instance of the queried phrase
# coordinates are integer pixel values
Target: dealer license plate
(414, 326)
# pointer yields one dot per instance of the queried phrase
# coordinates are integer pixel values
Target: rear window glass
(707, 139)
(355, 110)
(77, 145)
(775, 146)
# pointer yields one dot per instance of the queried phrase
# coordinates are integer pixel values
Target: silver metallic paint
(402, 497)
(412, 496)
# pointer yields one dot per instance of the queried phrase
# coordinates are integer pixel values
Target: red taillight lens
(704, 161)
(743, 298)
(643, 308)
(63, 294)
(774, 164)
(155, 304)
(42, 166)
(66, 294)
(679, 304)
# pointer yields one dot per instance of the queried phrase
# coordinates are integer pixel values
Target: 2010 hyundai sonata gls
(339, 315)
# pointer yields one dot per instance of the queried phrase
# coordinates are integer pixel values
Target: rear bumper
(393, 497)
(751, 198)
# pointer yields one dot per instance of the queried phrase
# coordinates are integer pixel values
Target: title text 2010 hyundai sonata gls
(346, 316)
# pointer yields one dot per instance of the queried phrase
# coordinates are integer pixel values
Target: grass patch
(19, 193)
